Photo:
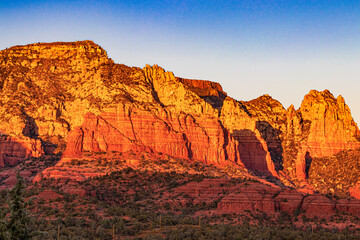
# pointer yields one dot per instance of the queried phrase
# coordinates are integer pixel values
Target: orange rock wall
(127, 129)
(202, 87)
(72, 93)
(14, 149)
(240, 197)
(330, 128)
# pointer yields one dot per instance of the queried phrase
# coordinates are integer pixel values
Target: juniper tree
(4, 234)
(17, 225)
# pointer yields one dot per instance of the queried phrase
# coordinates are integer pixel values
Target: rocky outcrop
(350, 206)
(247, 129)
(71, 98)
(288, 200)
(322, 126)
(45, 89)
(211, 92)
(355, 191)
(332, 127)
(254, 197)
(203, 88)
(135, 130)
(338, 174)
(318, 205)
(245, 197)
(14, 149)
(74, 147)
(49, 195)
(111, 107)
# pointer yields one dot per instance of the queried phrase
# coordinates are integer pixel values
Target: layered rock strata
(323, 126)
(15, 149)
(245, 197)
(71, 98)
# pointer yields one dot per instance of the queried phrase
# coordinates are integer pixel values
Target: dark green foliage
(244, 231)
(3, 227)
(19, 220)
(111, 207)
(18, 225)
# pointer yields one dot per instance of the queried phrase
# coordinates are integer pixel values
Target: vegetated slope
(336, 174)
(71, 99)
(138, 203)
(134, 203)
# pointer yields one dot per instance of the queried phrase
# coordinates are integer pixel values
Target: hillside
(70, 115)
(57, 96)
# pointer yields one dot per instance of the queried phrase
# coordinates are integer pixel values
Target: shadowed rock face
(57, 96)
(15, 149)
(253, 151)
(211, 92)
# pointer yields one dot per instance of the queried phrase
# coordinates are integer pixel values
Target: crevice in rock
(188, 146)
(226, 141)
(132, 125)
(273, 141)
(202, 128)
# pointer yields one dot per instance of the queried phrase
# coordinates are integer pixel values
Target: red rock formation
(253, 197)
(318, 205)
(127, 129)
(208, 190)
(14, 149)
(350, 206)
(72, 93)
(244, 127)
(355, 191)
(321, 127)
(68, 172)
(248, 196)
(203, 88)
(74, 143)
(27, 170)
(254, 153)
(11, 181)
(133, 109)
(289, 200)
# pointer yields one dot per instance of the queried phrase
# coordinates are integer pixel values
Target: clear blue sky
(281, 48)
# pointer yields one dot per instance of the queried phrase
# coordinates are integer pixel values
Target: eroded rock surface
(71, 98)
(323, 126)
(15, 149)
(253, 197)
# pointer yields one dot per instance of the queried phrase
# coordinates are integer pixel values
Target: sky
(283, 48)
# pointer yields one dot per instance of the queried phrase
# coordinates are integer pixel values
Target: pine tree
(18, 223)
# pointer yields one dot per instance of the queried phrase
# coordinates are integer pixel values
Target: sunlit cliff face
(71, 99)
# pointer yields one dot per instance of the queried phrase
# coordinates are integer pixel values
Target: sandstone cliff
(323, 126)
(50, 90)
(71, 98)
